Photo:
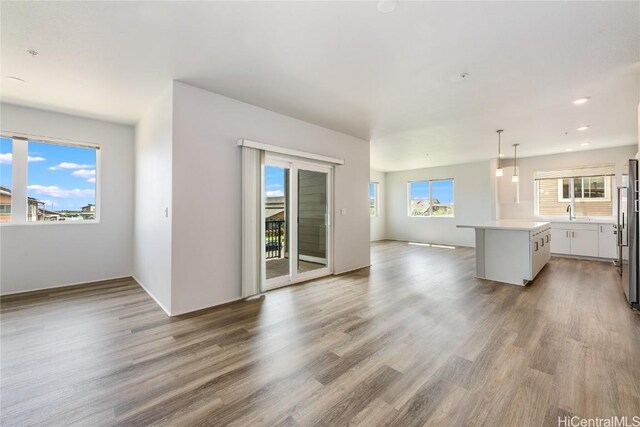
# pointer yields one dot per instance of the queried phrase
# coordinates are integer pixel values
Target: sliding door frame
(294, 164)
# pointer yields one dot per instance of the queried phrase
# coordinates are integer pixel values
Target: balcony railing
(274, 238)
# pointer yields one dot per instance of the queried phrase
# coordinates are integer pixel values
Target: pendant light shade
(515, 178)
(499, 171)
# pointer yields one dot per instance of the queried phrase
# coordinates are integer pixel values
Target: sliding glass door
(297, 221)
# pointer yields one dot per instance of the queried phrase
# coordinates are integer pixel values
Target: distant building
(34, 211)
(5, 204)
(274, 208)
(35, 208)
(88, 211)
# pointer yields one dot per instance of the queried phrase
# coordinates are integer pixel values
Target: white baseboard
(152, 296)
(62, 285)
(335, 273)
(191, 310)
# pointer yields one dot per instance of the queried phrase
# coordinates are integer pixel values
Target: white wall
(526, 208)
(474, 201)
(379, 222)
(153, 183)
(206, 191)
(38, 256)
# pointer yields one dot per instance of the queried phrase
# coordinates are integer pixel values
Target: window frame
(608, 188)
(376, 196)
(20, 178)
(431, 181)
(572, 197)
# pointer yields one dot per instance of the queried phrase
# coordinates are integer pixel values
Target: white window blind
(596, 170)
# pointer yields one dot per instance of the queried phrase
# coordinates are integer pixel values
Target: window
(587, 190)
(431, 198)
(373, 198)
(61, 181)
(6, 172)
(584, 188)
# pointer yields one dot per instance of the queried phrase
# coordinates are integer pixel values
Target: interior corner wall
(206, 191)
(41, 256)
(509, 209)
(379, 221)
(474, 202)
(153, 184)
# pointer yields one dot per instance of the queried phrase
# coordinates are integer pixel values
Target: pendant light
(499, 170)
(514, 178)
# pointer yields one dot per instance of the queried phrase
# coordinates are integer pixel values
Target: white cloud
(6, 158)
(84, 173)
(277, 193)
(54, 191)
(91, 180)
(67, 165)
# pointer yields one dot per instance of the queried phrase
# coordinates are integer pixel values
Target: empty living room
(320, 213)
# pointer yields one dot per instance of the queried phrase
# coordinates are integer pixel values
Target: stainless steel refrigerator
(628, 233)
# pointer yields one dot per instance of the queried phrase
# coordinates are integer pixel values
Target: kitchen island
(511, 251)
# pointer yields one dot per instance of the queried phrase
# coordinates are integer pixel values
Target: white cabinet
(511, 251)
(540, 249)
(560, 241)
(584, 239)
(607, 241)
(584, 243)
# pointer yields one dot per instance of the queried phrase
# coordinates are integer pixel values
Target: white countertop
(506, 224)
(583, 221)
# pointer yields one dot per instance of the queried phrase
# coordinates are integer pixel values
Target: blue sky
(441, 190)
(59, 175)
(5, 162)
(372, 190)
(274, 181)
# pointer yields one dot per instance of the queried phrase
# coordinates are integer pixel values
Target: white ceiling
(391, 78)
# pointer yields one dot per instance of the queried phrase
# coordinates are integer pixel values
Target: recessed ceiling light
(15, 79)
(33, 52)
(387, 6)
(580, 101)
(568, 149)
(583, 128)
(584, 144)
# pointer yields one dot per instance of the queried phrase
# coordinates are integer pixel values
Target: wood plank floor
(413, 340)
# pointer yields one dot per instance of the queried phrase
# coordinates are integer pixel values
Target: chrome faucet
(571, 216)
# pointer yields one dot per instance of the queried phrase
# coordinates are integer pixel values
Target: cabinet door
(560, 241)
(584, 243)
(607, 241)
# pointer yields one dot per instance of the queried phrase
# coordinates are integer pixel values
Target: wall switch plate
(343, 211)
